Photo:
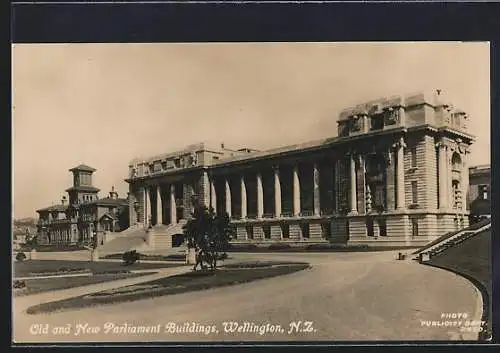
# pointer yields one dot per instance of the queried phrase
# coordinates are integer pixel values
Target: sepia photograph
(251, 192)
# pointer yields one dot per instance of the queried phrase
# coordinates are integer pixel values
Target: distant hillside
(25, 222)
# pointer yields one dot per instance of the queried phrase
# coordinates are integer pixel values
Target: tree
(209, 234)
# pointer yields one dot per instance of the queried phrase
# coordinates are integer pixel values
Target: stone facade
(396, 174)
(83, 216)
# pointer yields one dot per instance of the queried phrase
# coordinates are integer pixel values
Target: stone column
(361, 185)
(228, 198)
(213, 195)
(243, 198)
(400, 175)
(132, 215)
(443, 175)
(173, 205)
(204, 189)
(260, 196)
(352, 195)
(366, 123)
(296, 191)
(159, 206)
(316, 191)
(146, 207)
(402, 116)
(465, 181)
(277, 193)
(390, 181)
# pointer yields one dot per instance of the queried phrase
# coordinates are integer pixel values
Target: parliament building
(396, 174)
(83, 216)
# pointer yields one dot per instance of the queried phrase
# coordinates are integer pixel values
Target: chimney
(222, 145)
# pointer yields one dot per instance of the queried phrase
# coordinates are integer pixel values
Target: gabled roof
(82, 167)
(60, 208)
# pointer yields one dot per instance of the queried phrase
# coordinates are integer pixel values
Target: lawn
(191, 281)
(472, 259)
(40, 285)
(49, 267)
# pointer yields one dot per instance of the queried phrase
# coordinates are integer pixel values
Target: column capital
(400, 143)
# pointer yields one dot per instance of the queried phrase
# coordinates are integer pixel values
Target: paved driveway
(344, 296)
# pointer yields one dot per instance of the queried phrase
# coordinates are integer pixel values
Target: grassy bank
(472, 259)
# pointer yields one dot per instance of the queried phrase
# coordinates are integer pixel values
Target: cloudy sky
(104, 104)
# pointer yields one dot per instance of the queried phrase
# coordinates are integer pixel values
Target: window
(414, 157)
(382, 227)
(177, 163)
(285, 231)
(377, 122)
(305, 230)
(483, 192)
(267, 232)
(414, 192)
(249, 232)
(414, 227)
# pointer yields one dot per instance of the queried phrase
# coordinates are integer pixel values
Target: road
(343, 296)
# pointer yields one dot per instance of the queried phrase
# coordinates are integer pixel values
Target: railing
(307, 213)
(286, 214)
(251, 216)
(457, 238)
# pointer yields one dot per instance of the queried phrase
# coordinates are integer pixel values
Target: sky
(105, 104)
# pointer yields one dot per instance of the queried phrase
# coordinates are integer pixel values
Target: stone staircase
(160, 237)
(133, 238)
(451, 239)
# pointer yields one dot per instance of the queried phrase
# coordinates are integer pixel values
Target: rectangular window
(483, 192)
(414, 157)
(414, 227)
(414, 192)
(377, 122)
(249, 230)
(285, 231)
(267, 232)
(305, 230)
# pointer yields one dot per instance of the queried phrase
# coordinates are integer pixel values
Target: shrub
(20, 256)
(130, 257)
(279, 246)
(19, 284)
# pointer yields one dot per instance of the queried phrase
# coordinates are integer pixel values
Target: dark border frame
(269, 22)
